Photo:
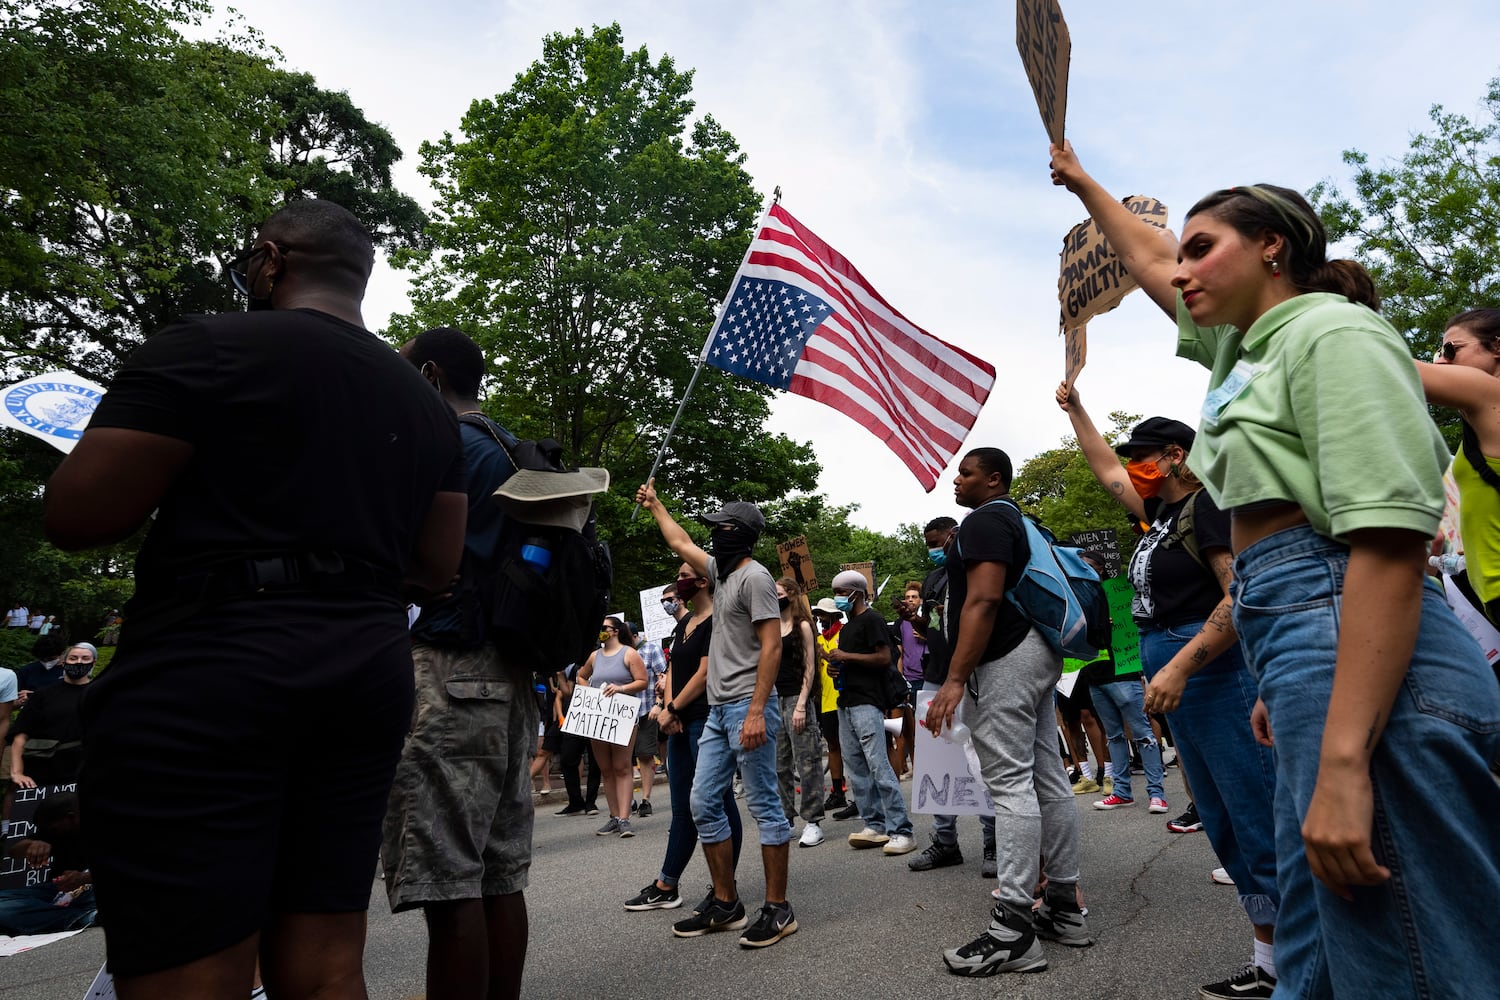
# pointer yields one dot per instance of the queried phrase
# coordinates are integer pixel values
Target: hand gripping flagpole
(703, 355)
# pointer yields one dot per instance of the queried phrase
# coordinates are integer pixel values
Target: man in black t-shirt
(1010, 672)
(862, 663)
(300, 471)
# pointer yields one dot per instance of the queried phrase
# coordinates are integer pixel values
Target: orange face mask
(1145, 476)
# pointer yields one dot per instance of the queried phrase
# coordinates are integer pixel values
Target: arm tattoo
(1116, 487)
(1370, 737)
(1199, 656)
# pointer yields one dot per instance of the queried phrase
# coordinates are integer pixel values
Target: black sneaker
(716, 916)
(1252, 981)
(634, 805)
(1188, 822)
(1009, 945)
(1059, 919)
(850, 811)
(591, 810)
(654, 897)
(989, 867)
(570, 811)
(775, 922)
(834, 801)
(707, 901)
(936, 856)
(644, 809)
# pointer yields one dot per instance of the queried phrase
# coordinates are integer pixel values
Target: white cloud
(905, 135)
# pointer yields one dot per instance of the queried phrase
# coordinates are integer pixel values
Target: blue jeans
(1119, 704)
(29, 910)
(1233, 777)
(682, 836)
(719, 753)
(1426, 931)
(877, 790)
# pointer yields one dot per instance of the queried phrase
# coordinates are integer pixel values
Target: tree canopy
(584, 231)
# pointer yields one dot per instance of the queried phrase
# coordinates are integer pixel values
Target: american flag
(800, 317)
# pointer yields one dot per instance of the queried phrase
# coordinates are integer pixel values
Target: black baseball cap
(746, 515)
(1158, 432)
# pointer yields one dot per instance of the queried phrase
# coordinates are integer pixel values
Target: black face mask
(730, 547)
(77, 670)
(687, 588)
(784, 602)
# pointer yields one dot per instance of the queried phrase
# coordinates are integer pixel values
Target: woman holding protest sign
(615, 668)
(1385, 716)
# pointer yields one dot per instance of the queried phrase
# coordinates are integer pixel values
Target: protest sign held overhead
(867, 570)
(1104, 541)
(799, 317)
(1092, 279)
(1076, 352)
(55, 407)
(796, 562)
(1046, 49)
(656, 624)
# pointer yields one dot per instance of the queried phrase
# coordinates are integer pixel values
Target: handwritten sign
(1093, 279)
(868, 570)
(796, 562)
(1075, 352)
(595, 717)
(1046, 49)
(655, 623)
(14, 874)
(1125, 641)
(1104, 541)
(945, 776)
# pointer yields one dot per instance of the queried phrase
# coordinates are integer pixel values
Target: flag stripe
(798, 305)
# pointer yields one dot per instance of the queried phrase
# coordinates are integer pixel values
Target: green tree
(1058, 488)
(583, 233)
(1428, 226)
(133, 160)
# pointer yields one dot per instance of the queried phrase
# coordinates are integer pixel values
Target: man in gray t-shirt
(744, 655)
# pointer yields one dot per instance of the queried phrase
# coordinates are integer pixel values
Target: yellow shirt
(1479, 527)
(829, 701)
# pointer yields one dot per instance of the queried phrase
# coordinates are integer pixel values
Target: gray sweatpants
(1015, 738)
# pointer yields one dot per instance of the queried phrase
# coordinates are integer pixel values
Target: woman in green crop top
(1465, 374)
(1314, 434)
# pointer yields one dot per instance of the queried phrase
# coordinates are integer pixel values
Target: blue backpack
(1060, 594)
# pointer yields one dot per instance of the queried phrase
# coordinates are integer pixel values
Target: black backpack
(550, 584)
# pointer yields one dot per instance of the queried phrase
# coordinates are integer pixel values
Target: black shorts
(1072, 707)
(829, 723)
(238, 768)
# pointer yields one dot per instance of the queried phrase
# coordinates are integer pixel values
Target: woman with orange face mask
(1190, 653)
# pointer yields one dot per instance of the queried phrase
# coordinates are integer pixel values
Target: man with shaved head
(305, 483)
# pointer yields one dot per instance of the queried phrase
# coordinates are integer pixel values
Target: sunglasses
(238, 267)
(1449, 351)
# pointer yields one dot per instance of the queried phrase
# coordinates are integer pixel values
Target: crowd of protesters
(1335, 723)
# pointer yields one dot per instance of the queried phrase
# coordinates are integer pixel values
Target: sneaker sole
(1118, 805)
(790, 928)
(928, 865)
(642, 907)
(733, 925)
(980, 971)
(815, 843)
(897, 852)
(865, 845)
(1184, 829)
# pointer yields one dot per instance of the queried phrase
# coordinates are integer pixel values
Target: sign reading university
(55, 407)
(1093, 279)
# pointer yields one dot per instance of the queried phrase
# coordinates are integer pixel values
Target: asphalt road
(870, 928)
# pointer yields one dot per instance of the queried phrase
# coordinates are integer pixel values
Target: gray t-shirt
(747, 597)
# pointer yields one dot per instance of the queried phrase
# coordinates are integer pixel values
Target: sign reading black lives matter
(1093, 278)
(1046, 48)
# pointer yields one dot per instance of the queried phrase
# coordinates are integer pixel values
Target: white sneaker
(868, 837)
(900, 844)
(1220, 877)
(812, 836)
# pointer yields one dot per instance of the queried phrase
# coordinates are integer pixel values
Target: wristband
(671, 708)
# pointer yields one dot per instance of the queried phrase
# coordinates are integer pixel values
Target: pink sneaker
(1158, 804)
(1113, 801)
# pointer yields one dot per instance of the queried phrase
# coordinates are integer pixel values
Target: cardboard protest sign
(945, 776)
(868, 569)
(55, 407)
(1075, 352)
(1046, 49)
(1069, 679)
(596, 717)
(1104, 541)
(1126, 640)
(1093, 279)
(796, 562)
(655, 623)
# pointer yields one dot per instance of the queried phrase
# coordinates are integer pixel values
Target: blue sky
(906, 136)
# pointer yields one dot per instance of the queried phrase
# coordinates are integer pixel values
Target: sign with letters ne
(596, 717)
(1046, 49)
(1093, 279)
(945, 776)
